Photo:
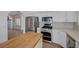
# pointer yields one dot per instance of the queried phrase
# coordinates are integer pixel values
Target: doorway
(14, 24)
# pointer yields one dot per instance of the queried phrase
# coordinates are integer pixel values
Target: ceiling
(31, 12)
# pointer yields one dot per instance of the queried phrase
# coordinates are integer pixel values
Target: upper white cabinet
(65, 16)
(78, 17)
(62, 16)
(59, 16)
(71, 16)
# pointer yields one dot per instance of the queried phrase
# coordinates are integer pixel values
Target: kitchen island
(27, 40)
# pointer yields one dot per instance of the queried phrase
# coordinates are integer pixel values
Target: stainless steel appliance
(32, 23)
(46, 19)
(47, 28)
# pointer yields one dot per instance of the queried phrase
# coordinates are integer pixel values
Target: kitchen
(58, 27)
(65, 27)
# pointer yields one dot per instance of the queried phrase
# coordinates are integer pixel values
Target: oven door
(46, 36)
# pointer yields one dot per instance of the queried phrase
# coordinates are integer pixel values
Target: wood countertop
(74, 34)
(27, 40)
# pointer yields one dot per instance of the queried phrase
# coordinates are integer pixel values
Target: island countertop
(27, 40)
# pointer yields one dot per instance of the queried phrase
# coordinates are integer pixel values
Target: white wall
(3, 26)
(23, 23)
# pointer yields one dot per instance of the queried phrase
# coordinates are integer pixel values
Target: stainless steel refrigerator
(32, 23)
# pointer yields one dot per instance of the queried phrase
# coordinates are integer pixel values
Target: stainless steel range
(47, 28)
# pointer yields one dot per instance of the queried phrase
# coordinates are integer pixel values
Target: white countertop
(73, 33)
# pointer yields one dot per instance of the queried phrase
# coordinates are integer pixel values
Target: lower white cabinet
(70, 42)
(77, 45)
(59, 37)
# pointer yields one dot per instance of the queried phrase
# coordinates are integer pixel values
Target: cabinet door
(77, 45)
(59, 16)
(59, 37)
(71, 16)
(55, 36)
(78, 16)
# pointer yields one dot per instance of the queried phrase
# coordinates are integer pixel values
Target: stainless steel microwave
(46, 19)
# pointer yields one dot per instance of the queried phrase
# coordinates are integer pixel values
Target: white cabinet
(78, 17)
(39, 44)
(59, 16)
(71, 16)
(59, 37)
(77, 45)
(62, 16)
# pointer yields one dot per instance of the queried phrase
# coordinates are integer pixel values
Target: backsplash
(76, 26)
(63, 25)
